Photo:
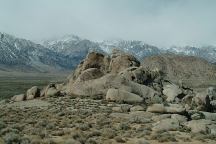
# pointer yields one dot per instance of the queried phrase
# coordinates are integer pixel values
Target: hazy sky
(158, 22)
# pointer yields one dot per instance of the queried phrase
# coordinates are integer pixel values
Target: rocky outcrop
(205, 100)
(166, 125)
(192, 71)
(51, 90)
(115, 92)
(172, 108)
(120, 78)
(32, 93)
(122, 96)
(120, 61)
(199, 126)
(17, 98)
(92, 60)
(89, 74)
(141, 75)
(171, 91)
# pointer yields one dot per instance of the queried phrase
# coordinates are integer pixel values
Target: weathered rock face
(98, 73)
(211, 91)
(171, 91)
(202, 101)
(128, 90)
(32, 93)
(93, 60)
(199, 126)
(122, 96)
(166, 125)
(120, 78)
(101, 85)
(172, 108)
(120, 62)
(140, 75)
(17, 98)
(89, 74)
(50, 90)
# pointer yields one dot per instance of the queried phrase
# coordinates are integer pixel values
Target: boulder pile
(120, 78)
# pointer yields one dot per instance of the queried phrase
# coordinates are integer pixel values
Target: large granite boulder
(199, 126)
(140, 74)
(17, 98)
(32, 93)
(92, 60)
(89, 74)
(168, 124)
(51, 90)
(171, 108)
(201, 101)
(120, 61)
(100, 86)
(122, 96)
(171, 91)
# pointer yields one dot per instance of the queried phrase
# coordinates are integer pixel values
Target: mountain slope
(137, 48)
(186, 68)
(205, 52)
(71, 47)
(24, 55)
(65, 53)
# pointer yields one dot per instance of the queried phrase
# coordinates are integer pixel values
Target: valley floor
(70, 120)
(12, 83)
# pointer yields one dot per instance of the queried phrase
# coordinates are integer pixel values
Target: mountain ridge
(66, 52)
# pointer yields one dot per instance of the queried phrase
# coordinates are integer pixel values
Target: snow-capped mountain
(137, 48)
(71, 47)
(66, 52)
(206, 52)
(24, 55)
(76, 48)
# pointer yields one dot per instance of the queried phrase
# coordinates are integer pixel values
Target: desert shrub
(108, 133)
(2, 125)
(119, 139)
(8, 130)
(58, 133)
(203, 137)
(51, 126)
(84, 126)
(42, 123)
(94, 133)
(36, 141)
(97, 97)
(48, 141)
(43, 134)
(186, 139)
(91, 141)
(71, 141)
(138, 120)
(164, 137)
(25, 140)
(19, 127)
(123, 126)
(143, 141)
(125, 108)
(12, 138)
(79, 137)
(102, 121)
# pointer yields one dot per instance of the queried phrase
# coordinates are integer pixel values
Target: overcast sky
(159, 22)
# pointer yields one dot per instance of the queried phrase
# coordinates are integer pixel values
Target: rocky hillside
(111, 99)
(206, 52)
(71, 47)
(66, 52)
(24, 55)
(185, 68)
(138, 48)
